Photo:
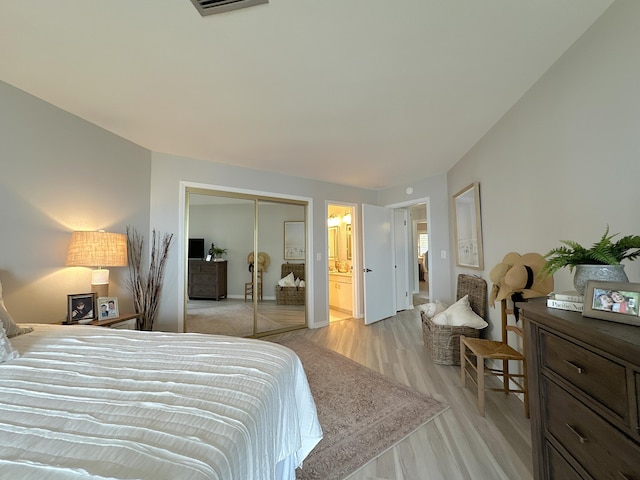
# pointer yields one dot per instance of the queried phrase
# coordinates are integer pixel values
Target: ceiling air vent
(209, 7)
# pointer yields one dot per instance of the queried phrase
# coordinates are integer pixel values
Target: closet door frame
(188, 188)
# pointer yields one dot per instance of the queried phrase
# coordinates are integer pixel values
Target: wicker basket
(291, 295)
(444, 340)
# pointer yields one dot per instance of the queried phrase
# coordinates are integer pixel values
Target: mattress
(89, 402)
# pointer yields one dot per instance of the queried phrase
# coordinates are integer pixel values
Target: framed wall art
(468, 227)
(294, 241)
(613, 301)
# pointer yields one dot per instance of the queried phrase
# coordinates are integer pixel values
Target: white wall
(565, 160)
(435, 190)
(60, 174)
(167, 173)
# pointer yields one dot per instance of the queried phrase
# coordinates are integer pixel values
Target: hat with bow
(520, 274)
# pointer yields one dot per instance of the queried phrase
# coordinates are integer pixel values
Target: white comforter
(90, 402)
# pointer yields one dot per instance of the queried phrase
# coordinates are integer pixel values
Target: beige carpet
(362, 413)
(234, 319)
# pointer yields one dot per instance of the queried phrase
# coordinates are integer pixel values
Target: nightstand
(126, 321)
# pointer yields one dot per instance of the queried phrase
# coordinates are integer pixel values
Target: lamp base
(100, 282)
(101, 290)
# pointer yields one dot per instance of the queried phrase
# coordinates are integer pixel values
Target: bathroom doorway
(340, 261)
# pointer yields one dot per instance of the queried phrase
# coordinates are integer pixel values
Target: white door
(404, 299)
(378, 266)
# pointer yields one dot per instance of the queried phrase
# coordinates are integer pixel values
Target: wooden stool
(481, 350)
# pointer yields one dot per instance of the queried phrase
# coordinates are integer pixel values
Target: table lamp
(98, 249)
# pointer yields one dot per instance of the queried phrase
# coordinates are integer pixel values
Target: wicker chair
(443, 341)
(480, 350)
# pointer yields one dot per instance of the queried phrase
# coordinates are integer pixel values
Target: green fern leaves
(603, 252)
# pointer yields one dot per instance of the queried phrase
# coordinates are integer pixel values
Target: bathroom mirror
(333, 243)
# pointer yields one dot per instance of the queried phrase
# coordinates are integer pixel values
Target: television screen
(196, 248)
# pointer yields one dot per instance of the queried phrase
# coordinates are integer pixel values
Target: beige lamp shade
(97, 249)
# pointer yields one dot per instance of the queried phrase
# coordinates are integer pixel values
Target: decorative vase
(601, 273)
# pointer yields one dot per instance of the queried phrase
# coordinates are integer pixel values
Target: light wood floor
(458, 444)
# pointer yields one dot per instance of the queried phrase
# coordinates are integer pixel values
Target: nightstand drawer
(597, 376)
(602, 450)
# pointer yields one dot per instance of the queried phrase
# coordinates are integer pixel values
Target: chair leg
(463, 374)
(480, 370)
(506, 378)
(525, 387)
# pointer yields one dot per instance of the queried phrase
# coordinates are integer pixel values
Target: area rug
(234, 319)
(362, 413)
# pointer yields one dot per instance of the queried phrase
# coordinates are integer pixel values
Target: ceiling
(367, 93)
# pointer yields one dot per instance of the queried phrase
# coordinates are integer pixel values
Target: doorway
(340, 261)
(420, 249)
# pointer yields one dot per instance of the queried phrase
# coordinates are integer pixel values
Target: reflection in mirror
(236, 295)
(282, 307)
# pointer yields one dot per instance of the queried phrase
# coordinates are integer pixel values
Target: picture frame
(108, 308)
(612, 301)
(467, 223)
(81, 307)
(294, 241)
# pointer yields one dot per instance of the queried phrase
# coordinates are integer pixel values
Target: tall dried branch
(146, 286)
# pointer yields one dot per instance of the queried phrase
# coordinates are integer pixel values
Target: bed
(91, 402)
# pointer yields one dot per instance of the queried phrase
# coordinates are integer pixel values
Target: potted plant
(600, 262)
(217, 252)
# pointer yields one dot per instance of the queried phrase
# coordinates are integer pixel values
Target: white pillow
(288, 281)
(432, 309)
(297, 282)
(302, 284)
(460, 315)
(10, 327)
(6, 350)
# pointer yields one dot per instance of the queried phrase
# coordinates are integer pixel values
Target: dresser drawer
(602, 450)
(207, 278)
(597, 376)
(558, 467)
(210, 267)
(202, 291)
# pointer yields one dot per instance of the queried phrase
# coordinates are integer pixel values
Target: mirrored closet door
(235, 257)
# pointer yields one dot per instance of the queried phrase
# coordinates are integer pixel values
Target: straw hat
(499, 271)
(523, 277)
(263, 260)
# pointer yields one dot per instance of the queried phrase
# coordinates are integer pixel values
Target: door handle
(366, 270)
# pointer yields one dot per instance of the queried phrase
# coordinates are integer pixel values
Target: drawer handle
(623, 476)
(576, 433)
(578, 368)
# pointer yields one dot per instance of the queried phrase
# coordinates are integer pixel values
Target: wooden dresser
(584, 386)
(207, 279)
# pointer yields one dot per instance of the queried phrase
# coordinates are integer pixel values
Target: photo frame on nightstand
(108, 308)
(81, 307)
